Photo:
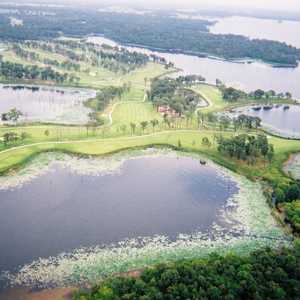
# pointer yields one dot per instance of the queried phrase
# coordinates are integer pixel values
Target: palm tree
(188, 116)
(133, 127)
(200, 118)
(144, 124)
(154, 123)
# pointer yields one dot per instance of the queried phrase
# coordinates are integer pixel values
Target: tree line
(246, 147)
(14, 71)
(157, 31)
(264, 274)
(231, 94)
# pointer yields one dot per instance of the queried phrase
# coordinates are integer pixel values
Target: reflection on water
(46, 104)
(63, 210)
(89, 218)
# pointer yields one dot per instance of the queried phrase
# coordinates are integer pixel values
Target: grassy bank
(191, 141)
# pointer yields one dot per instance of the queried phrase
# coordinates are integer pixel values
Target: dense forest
(265, 274)
(155, 31)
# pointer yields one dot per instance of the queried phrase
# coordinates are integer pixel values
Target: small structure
(167, 110)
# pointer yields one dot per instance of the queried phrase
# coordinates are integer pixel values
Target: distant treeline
(156, 31)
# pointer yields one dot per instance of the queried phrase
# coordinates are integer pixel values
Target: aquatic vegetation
(292, 167)
(245, 224)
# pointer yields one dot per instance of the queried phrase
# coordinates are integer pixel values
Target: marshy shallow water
(46, 104)
(66, 220)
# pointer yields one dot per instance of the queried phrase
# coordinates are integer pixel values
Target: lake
(281, 119)
(97, 216)
(256, 28)
(46, 104)
(241, 75)
(62, 210)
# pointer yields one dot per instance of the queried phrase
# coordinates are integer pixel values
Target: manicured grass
(190, 141)
(213, 96)
(134, 112)
(91, 76)
(216, 103)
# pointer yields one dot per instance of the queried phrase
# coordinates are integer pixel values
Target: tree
(288, 95)
(47, 132)
(133, 127)
(123, 128)
(14, 115)
(24, 135)
(144, 125)
(293, 192)
(279, 195)
(258, 94)
(200, 118)
(9, 137)
(206, 142)
(224, 122)
(154, 123)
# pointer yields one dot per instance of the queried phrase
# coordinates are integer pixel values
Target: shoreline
(93, 263)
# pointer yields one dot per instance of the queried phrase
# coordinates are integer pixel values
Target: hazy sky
(291, 5)
(265, 4)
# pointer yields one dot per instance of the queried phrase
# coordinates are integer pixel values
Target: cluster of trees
(224, 122)
(292, 211)
(264, 274)
(12, 116)
(246, 147)
(171, 92)
(231, 94)
(189, 80)
(10, 70)
(115, 59)
(12, 137)
(287, 197)
(106, 94)
(164, 33)
(34, 57)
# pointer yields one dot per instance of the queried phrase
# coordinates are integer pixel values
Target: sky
(286, 5)
(264, 4)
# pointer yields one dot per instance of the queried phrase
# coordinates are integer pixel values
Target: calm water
(62, 210)
(285, 121)
(240, 75)
(46, 104)
(282, 31)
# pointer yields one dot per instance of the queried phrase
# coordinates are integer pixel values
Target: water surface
(248, 77)
(46, 104)
(66, 220)
(283, 119)
(256, 28)
(62, 210)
